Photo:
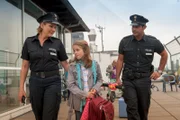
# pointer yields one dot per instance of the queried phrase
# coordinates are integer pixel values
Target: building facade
(18, 21)
(77, 36)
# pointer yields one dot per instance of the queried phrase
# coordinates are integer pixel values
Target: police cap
(49, 17)
(137, 20)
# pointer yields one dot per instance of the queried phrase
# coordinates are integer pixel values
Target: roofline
(76, 15)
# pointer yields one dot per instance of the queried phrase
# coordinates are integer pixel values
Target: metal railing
(173, 48)
(9, 87)
(8, 58)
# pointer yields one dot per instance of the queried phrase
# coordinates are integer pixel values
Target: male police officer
(136, 55)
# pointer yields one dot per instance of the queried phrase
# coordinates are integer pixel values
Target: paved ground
(164, 106)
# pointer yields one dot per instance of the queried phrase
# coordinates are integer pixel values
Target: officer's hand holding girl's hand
(21, 94)
(155, 75)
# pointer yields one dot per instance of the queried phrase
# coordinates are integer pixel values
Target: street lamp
(92, 35)
(101, 29)
(92, 39)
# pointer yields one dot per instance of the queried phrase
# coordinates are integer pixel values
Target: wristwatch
(160, 72)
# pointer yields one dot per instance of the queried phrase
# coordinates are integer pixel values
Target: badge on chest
(52, 51)
(149, 51)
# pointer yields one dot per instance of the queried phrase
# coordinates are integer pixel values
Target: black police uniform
(138, 57)
(44, 82)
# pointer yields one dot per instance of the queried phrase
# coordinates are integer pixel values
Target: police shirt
(46, 57)
(138, 55)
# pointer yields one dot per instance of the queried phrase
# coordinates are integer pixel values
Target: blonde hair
(87, 57)
(39, 29)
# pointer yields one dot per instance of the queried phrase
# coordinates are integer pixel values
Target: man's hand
(118, 81)
(155, 75)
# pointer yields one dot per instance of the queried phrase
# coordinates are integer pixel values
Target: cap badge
(135, 17)
(56, 17)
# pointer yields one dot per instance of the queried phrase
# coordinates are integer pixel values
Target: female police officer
(43, 53)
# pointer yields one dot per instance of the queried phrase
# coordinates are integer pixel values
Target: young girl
(80, 81)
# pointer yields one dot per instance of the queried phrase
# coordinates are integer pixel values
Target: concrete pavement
(164, 106)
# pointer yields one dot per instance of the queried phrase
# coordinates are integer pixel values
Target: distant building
(18, 21)
(77, 36)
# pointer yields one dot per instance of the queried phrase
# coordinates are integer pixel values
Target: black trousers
(45, 97)
(136, 94)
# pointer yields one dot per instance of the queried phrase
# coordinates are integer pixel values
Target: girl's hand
(90, 95)
(93, 91)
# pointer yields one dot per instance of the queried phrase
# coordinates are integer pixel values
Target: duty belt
(45, 74)
(129, 73)
(140, 75)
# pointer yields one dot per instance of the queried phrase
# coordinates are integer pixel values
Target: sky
(113, 15)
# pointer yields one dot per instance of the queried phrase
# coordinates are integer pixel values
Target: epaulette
(54, 38)
(127, 37)
(31, 37)
(150, 36)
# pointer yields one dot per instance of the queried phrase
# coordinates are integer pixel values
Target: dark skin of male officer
(137, 89)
